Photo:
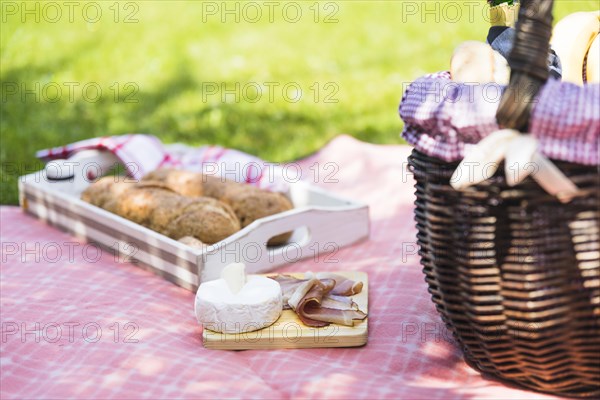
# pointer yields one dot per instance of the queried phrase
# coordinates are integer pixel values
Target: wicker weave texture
(515, 274)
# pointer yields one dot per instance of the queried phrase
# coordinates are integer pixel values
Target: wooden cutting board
(288, 332)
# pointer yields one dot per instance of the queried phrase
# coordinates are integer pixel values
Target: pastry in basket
(249, 203)
(573, 39)
(477, 62)
(156, 206)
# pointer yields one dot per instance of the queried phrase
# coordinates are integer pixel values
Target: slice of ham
(318, 300)
(338, 302)
(314, 288)
(343, 285)
(311, 300)
(330, 315)
(289, 286)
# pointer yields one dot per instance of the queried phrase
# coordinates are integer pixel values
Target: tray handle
(87, 163)
(81, 169)
(318, 233)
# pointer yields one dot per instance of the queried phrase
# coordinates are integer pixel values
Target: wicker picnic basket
(514, 272)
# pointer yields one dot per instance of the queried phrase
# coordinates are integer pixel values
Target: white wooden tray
(322, 223)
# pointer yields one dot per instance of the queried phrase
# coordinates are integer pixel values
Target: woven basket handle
(528, 61)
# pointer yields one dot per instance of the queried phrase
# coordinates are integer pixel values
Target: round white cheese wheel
(258, 304)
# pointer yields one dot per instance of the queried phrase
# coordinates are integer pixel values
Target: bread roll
(192, 242)
(249, 203)
(156, 206)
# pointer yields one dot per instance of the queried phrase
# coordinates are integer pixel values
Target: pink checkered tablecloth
(78, 324)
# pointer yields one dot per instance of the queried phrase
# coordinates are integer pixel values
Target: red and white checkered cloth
(141, 154)
(443, 118)
(159, 355)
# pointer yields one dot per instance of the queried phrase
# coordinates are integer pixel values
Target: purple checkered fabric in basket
(444, 118)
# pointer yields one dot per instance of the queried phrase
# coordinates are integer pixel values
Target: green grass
(175, 51)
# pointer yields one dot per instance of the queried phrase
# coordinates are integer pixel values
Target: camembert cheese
(237, 303)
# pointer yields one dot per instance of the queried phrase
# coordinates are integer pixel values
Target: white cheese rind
(235, 276)
(257, 305)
